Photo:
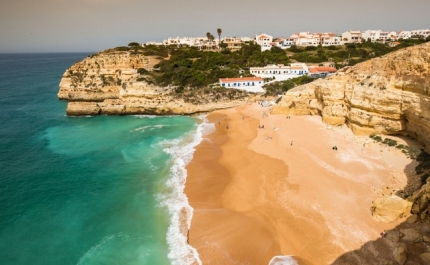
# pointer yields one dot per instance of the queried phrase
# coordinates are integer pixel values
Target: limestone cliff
(386, 95)
(118, 83)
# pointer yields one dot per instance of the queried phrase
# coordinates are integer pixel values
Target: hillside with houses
(201, 74)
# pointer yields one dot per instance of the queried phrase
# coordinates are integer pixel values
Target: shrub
(376, 137)
(131, 44)
(122, 48)
(389, 142)
(142, 71)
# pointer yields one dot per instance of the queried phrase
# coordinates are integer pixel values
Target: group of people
(334, 148)
(288, 117)
(261, 126)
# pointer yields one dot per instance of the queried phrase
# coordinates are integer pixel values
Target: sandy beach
(282, 190)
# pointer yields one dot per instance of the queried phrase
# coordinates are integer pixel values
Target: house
(321, 71)
(379, 35)
(246, 39)
(250, 84)
(329, 39)
(419, 33)
(352, 36)
(151, 43)
(264, 41)
(314, 39)
(393, 44)
(233, 43)
(279, 71)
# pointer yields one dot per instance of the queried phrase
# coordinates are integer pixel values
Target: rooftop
(241, 79)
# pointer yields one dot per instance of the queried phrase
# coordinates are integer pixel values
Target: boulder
(393, 235)
(389, 208)
(412, 219)
(400, 255)
(425, 257)
(410, 235)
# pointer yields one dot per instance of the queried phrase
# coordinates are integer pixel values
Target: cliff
(385, 95)
(118, 83)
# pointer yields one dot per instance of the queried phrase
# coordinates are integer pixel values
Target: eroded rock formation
(117, 83)
(385, 95)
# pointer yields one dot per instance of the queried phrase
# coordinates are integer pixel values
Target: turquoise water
(88, 190)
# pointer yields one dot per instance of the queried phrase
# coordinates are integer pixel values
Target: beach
(282, 190)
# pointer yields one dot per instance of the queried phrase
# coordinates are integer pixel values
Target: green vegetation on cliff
(188, 67)
(276, 88)
(192, 68)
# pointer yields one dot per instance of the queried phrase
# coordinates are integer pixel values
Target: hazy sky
(93, 25)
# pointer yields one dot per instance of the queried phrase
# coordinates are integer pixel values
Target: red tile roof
(322, 69)
(241, 79)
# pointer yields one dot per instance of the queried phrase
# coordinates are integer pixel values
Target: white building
(406, 34)
(250, 84)
(246, 39)
(264, 41)
(352, 36)
(314, 39)
(152, 43)
(201, 42)
(329, 38)
(379, 36)
(279, 71)
(282, 43)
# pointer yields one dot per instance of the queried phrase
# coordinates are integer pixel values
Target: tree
(131, 44)
(210, 36)
(219, 31)
(276, 49)
(223, 45)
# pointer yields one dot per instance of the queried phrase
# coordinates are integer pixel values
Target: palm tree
(219, 31)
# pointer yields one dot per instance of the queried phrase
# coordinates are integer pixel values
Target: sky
(94, 25)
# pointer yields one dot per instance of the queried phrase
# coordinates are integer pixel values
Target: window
(223, 84)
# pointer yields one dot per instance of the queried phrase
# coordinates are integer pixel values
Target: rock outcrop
(390, 208)
(117, 83)
(385, 95)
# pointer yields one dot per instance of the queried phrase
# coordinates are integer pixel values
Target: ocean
(87, 190)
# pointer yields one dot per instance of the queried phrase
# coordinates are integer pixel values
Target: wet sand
(282, 190)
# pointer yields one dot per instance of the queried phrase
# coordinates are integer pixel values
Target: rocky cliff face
(386, 95)
(110, 82)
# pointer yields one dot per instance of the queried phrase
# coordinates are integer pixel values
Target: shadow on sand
(408, 242)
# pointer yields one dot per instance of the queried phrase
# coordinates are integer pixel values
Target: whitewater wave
(181, 151)
(151, 127)
(283, 260)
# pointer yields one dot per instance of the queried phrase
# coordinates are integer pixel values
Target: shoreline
(282, 190)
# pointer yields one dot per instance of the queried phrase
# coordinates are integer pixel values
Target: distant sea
(87, 190)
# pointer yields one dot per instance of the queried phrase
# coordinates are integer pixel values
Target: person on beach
(291, 143)
(226, 127)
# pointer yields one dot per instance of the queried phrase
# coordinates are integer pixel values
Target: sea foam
(283, 260)
(181, 151)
